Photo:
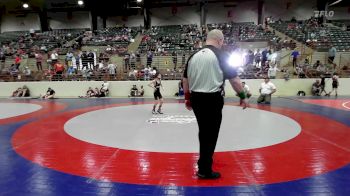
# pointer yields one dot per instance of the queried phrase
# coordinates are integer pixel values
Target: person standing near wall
(203, 82)
(267, 88)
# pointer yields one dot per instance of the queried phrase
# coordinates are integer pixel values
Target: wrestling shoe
(154, 112)
(160, 112)
(212, 175)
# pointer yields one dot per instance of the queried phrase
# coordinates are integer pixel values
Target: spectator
(2, 59)
(71, 71)
(17, 92)
(321, 69)
(317, 64)
(112, 70)
(25, 91)
(104, 91)
(91, 60)
(50, 94)
(295, 55)
(323, 85)
(316, 88)
(54, 57)
(127, 61)
(272, 71)
(141, 92)
(146, 73)
(59, 68)
(27, 72)
(149, 58)
(89, 93)
(134, 91)
(69, 58)
(39, 61)
(18, 61)
(331, 54)
(267, 88)
(335, 85)
(174, 56)
(257, 58)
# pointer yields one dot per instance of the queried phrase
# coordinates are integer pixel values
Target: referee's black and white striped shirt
(207, 70)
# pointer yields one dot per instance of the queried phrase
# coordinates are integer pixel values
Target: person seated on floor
(89, 93)
(316, 88)
(50, 94)
(134, 91)
(104, 91)
(141, 92)
(25, 91)
(17, 92)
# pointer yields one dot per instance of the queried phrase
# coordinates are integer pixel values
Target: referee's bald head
(215, 37)
(215, 34)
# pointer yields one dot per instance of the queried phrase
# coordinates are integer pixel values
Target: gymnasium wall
(122, 88)
(130, 21)
(64, 20)
(12, 23)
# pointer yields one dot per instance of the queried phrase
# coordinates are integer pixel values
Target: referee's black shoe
(212, 175)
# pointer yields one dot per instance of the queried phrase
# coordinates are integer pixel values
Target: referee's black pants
(207, 108)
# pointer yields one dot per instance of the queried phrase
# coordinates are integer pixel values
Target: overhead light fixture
(25, 5)
(139, 1)
(80, 2)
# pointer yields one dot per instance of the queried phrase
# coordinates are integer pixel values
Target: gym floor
(295, 146)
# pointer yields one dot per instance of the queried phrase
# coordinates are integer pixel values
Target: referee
(203, 83)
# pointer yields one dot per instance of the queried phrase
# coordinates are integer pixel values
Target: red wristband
(187, 96)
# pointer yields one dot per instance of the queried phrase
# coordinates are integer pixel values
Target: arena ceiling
(115, 7)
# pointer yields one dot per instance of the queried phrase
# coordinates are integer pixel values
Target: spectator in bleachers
(91, 60)
(149, 58)
(71, 71)
(126, 62)
(13, 70)
(59, 68)
(112, 70)
(54, 57)
(27, 72)
(257, 58)
(264, 56)
(39, 60)
(18, 61)
(272, 72)
(146, 73)
(317, 64)
(174, 57)
(84, 60)
(69, 58)
(295, 54)
(331, 54)
(321, 69)
(2, 59)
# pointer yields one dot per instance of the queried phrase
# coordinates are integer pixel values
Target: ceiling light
(25, 5)
(80, 2)
(139, 1)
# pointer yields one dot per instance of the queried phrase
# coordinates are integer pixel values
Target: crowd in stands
(314, 33)
(175, 41)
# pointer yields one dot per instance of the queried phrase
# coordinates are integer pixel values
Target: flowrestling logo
(178, 119)
(327, 14)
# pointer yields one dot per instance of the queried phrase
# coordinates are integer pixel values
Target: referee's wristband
(187, 96)
(242, 95)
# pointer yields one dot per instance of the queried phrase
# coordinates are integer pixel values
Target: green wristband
(242, 95)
